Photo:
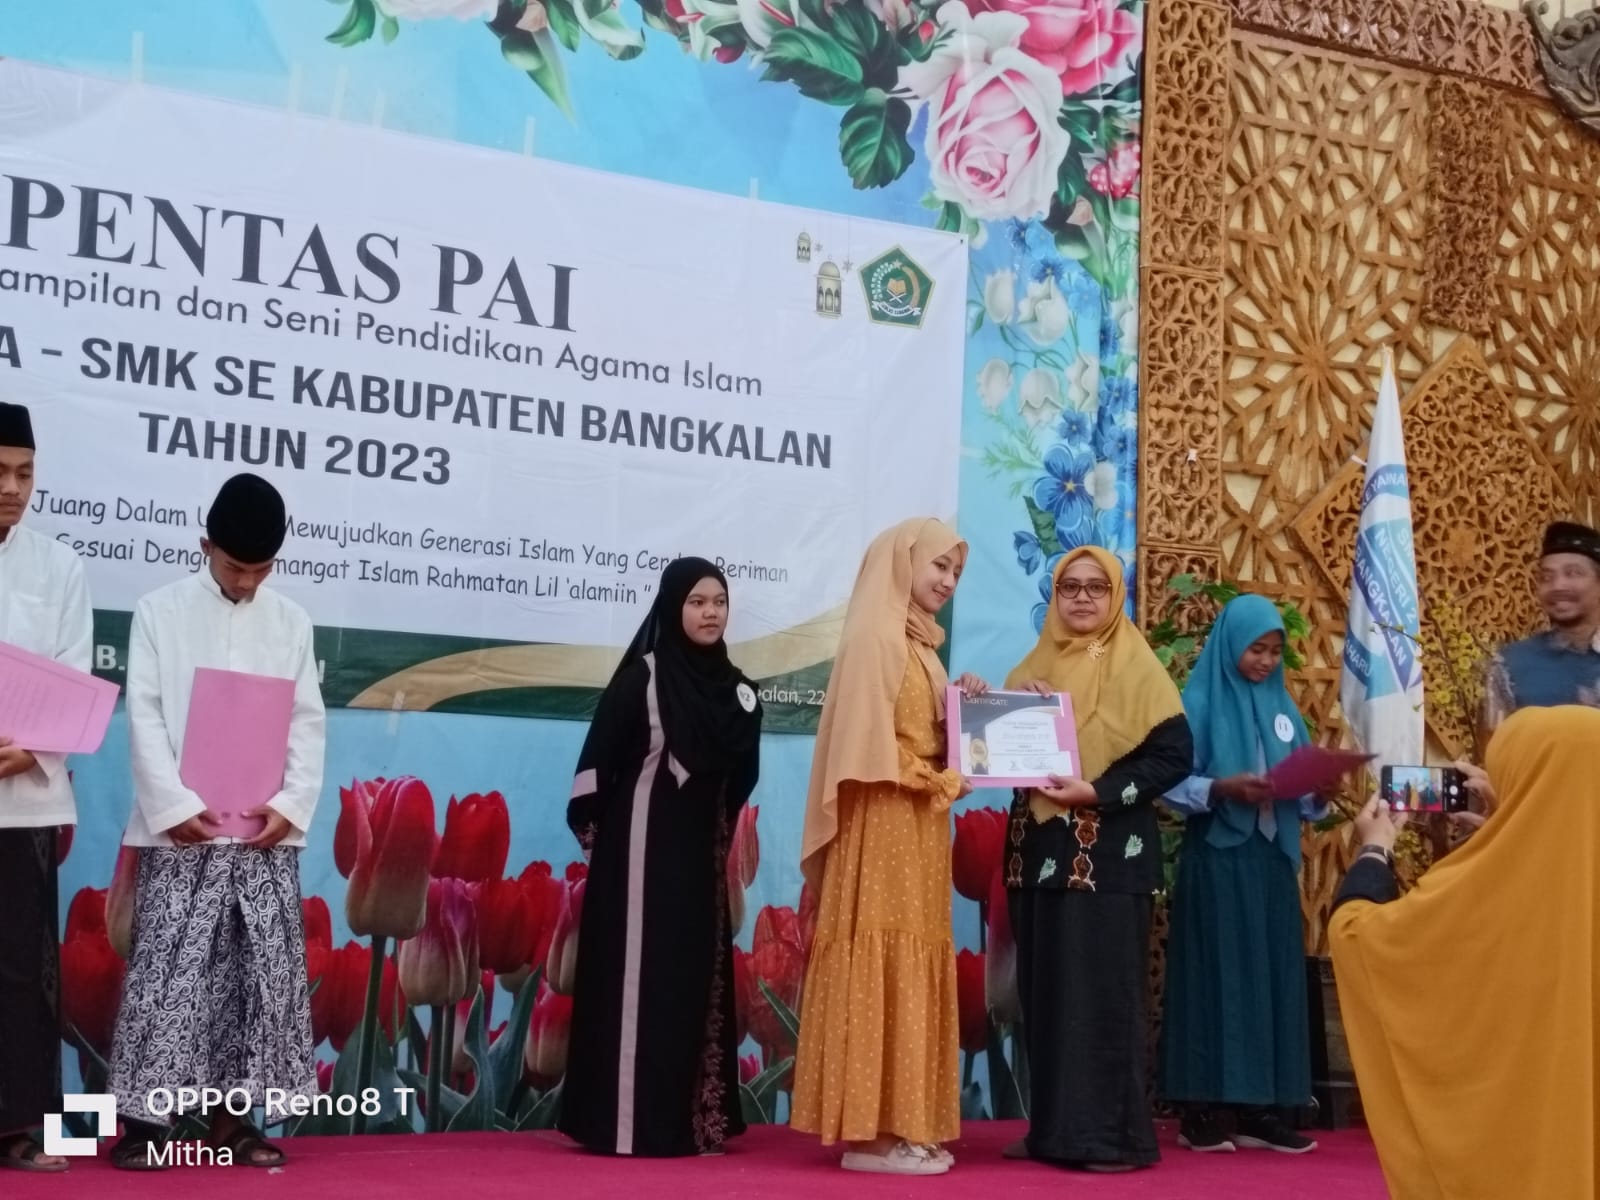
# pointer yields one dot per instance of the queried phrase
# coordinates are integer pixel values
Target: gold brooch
(1097, 649)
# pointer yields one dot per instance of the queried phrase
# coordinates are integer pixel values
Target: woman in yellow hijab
(1083, 861)
(1472, 1005)
(878, 1062)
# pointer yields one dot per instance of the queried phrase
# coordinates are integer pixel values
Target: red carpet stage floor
(767, 1162)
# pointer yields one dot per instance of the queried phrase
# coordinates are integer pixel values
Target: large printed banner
(499, 394)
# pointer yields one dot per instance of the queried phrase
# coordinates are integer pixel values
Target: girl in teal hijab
(1245, 724)
(1235, 1050)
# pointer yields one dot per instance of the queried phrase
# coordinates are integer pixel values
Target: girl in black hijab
(671, 757)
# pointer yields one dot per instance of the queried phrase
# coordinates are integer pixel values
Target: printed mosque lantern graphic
(802, 248)
(830, 289)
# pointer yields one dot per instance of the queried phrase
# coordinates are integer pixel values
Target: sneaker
(904, 1159)
(1201, 1133)
(1265, 1130)
(938, 1154)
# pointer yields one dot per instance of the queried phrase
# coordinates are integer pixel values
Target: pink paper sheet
(1310, 768)
(49, 708)
(236, 744)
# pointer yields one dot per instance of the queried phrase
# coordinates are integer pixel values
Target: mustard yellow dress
(879, 1049)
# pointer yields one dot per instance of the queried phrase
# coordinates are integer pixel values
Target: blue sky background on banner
(1049, 423)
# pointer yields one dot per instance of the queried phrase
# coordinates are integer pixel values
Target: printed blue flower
(1040, 612)
(1076, 427)
(1030, 554)
(1118, 444)
(1047, 577)
(1110, 336)
(1080, 289)
(1050, 267)
(1016, 234)
(1119, 394)
(1063, 491)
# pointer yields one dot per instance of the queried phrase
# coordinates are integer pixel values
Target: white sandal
(904, 1159)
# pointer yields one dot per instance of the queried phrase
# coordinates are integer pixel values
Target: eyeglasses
(1072, 589)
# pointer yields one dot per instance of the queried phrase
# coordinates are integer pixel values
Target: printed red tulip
(744, 852)
(809, 904)
(477, 837)
(745, 994)
(324, 1077)
(744, 859)
(340, 994)
(577, 871)
(979, 844)
(318, 921)
(970, 1003)
(91, 987)
(120, 898)
(544, 1050)
(86, 913)
(749, 1068)
(1000, 967)
(64, 839)
(394, 842)
(779, 960)
(561, 963)
(507, 924)
(440, 964)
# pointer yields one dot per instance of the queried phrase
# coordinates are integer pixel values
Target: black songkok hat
(1568, 537)
(15, 428)
(247, 520)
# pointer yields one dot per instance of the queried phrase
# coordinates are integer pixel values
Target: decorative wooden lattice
(1466, 146)
(1185, 135)
(1340, 206)
(1464, 37)
(1544, 344)
(1481, 494)
(1327, 218)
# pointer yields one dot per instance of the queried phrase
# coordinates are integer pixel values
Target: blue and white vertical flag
(1381, 685)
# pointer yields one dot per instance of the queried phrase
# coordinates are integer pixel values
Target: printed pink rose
(1082, 41)
(994, 144)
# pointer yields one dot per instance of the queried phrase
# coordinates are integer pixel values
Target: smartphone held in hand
(1423, 789)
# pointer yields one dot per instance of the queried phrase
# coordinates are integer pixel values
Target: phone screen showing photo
(1423, 789)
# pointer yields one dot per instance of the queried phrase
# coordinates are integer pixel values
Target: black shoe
(1201, 1133)
(1266, 1130)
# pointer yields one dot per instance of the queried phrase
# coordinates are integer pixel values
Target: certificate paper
(1312, 768)
(236, 745)
(1012, 739)
(51, 709)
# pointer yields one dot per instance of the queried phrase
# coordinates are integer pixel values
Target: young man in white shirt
(44, 608)
(216, 992)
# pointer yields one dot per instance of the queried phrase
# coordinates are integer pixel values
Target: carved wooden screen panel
(1481, 493)
(1326, 234)
(1544, 340)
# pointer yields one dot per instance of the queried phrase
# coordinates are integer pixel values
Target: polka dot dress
(878, 1023)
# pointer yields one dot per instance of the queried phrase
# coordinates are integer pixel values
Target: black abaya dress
(652, 1066)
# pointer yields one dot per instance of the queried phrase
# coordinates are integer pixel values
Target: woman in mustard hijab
(878, 1062)
(1472, 1004)
(1083, 861)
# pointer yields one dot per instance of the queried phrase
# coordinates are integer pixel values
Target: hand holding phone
(1417, 789)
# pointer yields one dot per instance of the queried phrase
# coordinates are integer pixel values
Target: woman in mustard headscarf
(1470, 1005)
(1083, 861)
(878, 1062)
